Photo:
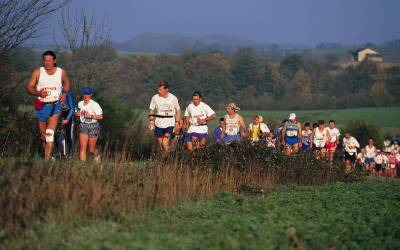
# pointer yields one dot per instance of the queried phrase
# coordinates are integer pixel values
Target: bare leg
(92, 147)
(51, 124)
(83, 141)
(202, 142)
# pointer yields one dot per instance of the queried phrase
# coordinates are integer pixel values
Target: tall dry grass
(41, 191)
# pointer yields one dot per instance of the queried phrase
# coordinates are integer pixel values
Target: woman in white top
(370, 152)
(90, 113)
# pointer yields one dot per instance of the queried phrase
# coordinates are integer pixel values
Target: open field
(358, 215)
(386, 117)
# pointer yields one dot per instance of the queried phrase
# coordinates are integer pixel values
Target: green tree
(290, 65)
(244, 67)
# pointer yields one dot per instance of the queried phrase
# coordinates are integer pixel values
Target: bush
(362, 130)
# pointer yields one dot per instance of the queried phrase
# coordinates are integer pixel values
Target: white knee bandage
(49, 136)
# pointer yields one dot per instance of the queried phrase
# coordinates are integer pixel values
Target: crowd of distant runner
(55, 109)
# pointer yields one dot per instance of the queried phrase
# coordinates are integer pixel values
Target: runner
(50, 84)
(320, 135)
(90, 114)
(218, 132)
(370, 152)
(393, 164)
(164, 116)
(361, 159)
(271, 141)
(380, 160)
(350, 145)
(279, 132)
(292, 135)
(65, 133)
(306, 142)
(264, 128)
(333, 141)
(257, 129)
(232, 124)
(197, 114)
(387, 146)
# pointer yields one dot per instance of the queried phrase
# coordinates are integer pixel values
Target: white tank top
(232, 125)
(320, 138)
(370, 152)
(51, 83)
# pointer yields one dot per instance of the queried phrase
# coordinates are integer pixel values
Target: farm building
(366, 54)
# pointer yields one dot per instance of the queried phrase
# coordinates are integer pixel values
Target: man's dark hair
(49, 53)
(164, 84)
(307, 124)
(197, 93)
(332, 121)
(321, 122)
(315, 125)
(221, 119)
(285, 121)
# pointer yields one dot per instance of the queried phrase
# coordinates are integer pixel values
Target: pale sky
(307, 22)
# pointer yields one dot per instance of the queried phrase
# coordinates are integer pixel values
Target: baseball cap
(87, 90)
(292, 116)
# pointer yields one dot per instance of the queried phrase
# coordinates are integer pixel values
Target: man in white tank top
(164, 116)
(197, 114)
(50, 85)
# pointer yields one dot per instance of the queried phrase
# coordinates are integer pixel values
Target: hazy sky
(272, 21)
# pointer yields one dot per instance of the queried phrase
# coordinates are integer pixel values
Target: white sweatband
(49, 136)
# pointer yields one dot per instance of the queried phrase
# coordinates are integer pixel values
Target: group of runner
(292, 136)
(56, 108)
(380, 162)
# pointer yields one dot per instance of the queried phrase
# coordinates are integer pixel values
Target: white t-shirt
(370, 152)
(361, 157)
(350, 142)
(168, 106)
(92, 108)
(334, 133)
(201, 111)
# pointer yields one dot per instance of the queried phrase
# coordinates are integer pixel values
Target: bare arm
(178, 119)
(66, 82)
(300, 134)
(31, 87)
(283, 133)
(186, 121)
(242, 125)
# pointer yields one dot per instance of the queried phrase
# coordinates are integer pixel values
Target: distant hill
(172, 43)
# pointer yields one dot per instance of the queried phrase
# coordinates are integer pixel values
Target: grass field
(358, 215)
(386, 117)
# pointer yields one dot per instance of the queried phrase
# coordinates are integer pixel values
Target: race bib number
(52, 94)
(232, 131)
(291, 133)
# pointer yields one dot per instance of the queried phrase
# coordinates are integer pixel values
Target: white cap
(292, 116)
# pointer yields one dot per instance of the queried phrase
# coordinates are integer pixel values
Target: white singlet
(232, 125)
(52, 84)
